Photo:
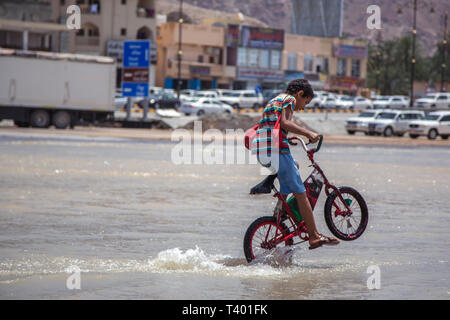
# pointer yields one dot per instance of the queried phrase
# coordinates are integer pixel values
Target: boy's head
(302, 91)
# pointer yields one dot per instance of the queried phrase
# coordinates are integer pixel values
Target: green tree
(393, 66)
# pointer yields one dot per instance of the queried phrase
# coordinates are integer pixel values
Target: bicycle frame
(299, 228)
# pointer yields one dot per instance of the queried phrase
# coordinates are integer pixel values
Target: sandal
(323, 240)
(329, 241)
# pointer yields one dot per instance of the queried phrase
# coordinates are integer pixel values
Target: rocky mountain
(277, 14)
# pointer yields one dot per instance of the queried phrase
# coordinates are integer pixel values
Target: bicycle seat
(264, 186)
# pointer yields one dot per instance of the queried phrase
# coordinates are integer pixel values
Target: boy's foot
(323, 240)
(329, 241)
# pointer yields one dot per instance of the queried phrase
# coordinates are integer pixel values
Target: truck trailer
(41, 89)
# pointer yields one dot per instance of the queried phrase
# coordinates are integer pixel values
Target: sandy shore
(161, 134)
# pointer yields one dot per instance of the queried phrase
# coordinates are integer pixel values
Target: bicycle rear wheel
(346, 227)
(262, 236)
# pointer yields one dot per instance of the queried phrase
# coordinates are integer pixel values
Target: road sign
(130, 89)
(136, 54)
(135, 75)
(135, 72)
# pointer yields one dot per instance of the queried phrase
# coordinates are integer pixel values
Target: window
(211, 59)
(123, 32)
(249, 95)
(292, 61)
(442, 98)
(308, 62)
(342, 67)
(200, 58)
(321, 64)
(242, 56)
(356, 68)
(253, 58)
(124, 2)
(445, 118)
(275, 60)
(264, 59)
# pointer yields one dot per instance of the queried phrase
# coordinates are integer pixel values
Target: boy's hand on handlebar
(314, 137)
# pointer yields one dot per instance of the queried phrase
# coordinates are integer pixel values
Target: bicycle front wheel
(343, 225)
(263, 235)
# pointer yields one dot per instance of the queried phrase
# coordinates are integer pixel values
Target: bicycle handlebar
(305, 145)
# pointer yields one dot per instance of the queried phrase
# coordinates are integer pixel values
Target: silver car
(394, 122)
(361, 122)
(200, 106)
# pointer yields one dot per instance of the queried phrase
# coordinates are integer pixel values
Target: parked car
(319, 99)
(394, 122)
(243, 99)
(339, 103)
(163, 100)
(434, 100)
(206, 94)
(201, 106)
(362, 103)
(361, 122)
(435, 124)
(121, 102)
(391, 102)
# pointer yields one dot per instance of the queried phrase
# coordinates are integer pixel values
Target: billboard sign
(232, 37)
(343, 50)
(263, 38)
(260, 74)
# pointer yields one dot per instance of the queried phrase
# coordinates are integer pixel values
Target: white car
(361, 103)
(434, 100)
(435, 124)
(361, 122)
(243, 99)
(391, 102)
(201, 106)
(394, 122)
(206, 94)
(319, 99)
(339, 103)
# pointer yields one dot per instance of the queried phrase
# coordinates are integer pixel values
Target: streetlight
(180, 49)
(444, 52)
(414, 34)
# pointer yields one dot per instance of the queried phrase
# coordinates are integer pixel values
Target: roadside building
(333, 64)
(31, 25)
(105, 24)
(203, 64)
(257, 54)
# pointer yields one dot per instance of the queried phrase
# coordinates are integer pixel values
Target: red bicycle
(346, 213)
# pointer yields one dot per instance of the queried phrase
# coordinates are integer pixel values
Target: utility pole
(180, 51)
(444, 52)
(413, 58)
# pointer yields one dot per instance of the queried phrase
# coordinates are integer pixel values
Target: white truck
(40, 89)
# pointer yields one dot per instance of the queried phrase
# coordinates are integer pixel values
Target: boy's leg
(307, 214)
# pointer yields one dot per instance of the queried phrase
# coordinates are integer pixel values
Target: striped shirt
(262, 144)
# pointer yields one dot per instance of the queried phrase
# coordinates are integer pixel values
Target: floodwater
(139, 226)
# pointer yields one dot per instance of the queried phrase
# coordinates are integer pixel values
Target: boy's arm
(290, 126)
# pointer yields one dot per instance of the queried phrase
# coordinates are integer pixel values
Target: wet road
(138, 226)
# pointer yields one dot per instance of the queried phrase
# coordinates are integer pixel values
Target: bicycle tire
(252, 230)
(364, 213)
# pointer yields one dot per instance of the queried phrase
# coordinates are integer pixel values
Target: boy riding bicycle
(281, 109)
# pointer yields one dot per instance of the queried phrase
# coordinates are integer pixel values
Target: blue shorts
(289, 176)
